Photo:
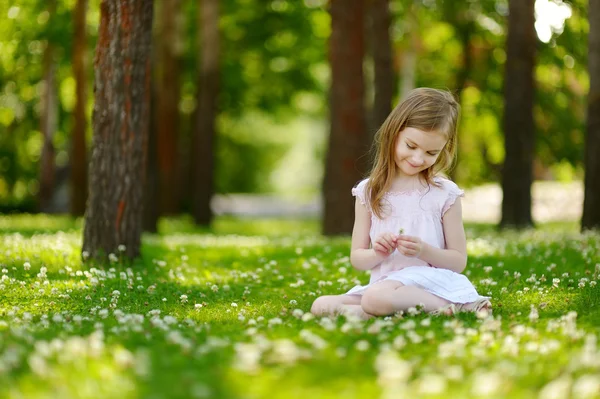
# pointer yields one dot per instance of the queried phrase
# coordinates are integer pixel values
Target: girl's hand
(385, 244)
(410, 246)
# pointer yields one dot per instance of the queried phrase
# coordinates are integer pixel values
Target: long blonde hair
(426, 109)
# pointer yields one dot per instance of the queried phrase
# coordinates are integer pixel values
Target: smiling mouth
(413, 166)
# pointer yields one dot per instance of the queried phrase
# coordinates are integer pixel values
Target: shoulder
(360, 191)
(361, 185)
(447, 185)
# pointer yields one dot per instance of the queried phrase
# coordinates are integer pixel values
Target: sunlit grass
(223, 313)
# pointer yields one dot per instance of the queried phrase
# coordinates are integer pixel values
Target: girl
(408, 228)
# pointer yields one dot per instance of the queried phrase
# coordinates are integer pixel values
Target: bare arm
(362, 256)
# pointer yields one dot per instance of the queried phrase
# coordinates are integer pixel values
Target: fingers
(381, 249)
(404, 237)
(386, 242)
(409, 246)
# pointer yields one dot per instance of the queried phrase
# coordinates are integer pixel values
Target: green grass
(124, 330)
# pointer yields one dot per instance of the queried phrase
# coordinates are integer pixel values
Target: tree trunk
(151, 192)
(208, 90)
(517, 174)
(168, 107)
(48, 124)
(591, 203)
(348, 140)
(462, 20)
(120, 123)
(78, 147)
(409, 57)
(382, 56)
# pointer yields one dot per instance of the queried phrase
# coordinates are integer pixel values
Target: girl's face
(417, 150)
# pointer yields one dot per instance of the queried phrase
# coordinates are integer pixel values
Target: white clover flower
(112, 258)
(307, 316)
(432, 384)
(164, 299)
(121, 248)
(183, 298)
(293, 302)
(362, 345)
(486, 383)
(555, 282)
(275, 321)
(247, 357)
(234, 305)
(587, 386)
(26, 266)
(557, 389)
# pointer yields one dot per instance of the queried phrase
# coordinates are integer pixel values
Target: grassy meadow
(223, 313)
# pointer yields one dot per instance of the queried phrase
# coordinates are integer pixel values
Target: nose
(417, 160)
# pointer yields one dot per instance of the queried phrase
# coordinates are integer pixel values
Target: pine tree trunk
(120, 123)
(208, 89)
(382, 56)
(78, 147)
(461, 19)
(168, 120)
(591, 203)
(347, 158)
(151, 191)
(48, 125)
(409, 57)
(517, 173)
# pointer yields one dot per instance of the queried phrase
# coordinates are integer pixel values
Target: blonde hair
(426, 109)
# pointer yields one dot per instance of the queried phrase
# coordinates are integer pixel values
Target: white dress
(419, 213)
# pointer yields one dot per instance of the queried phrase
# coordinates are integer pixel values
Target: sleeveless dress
(419, 213)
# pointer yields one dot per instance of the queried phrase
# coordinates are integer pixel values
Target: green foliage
(274, 64)
(223, 313)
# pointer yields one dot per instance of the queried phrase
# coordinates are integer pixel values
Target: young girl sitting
(408, 228)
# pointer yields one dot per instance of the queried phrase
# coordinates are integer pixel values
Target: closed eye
(410, 146)
(432, 153)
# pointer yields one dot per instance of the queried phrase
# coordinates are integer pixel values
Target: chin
(410, 172)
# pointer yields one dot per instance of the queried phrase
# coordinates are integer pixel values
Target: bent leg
(389, 297)
(333, 305)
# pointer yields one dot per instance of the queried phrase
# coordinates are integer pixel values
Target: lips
(412, 166)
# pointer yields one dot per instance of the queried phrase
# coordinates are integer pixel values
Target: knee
(374, 304)
(320, 306)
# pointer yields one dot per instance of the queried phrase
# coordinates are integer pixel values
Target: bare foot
(480, 305)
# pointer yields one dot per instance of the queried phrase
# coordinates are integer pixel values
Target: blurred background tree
(271, 126)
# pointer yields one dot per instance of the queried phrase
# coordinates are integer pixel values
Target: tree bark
(407, 59)
(208, 90)
(346, 159)
(464, 25)
(591, 203)
(78, 147)
(48, 124)
(120, 123)
(168, 120)
(381, 21)
(519, 129)
(151, 191)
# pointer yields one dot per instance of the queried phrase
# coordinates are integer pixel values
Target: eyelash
(412, 148)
